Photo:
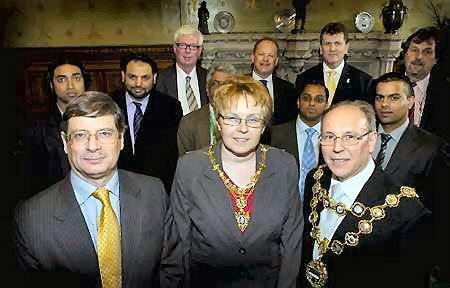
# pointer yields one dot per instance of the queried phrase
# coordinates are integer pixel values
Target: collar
(83, 190)
(338, 69)
(397, 133)
(257, 77)
(301, 126)
(353, 186)
(181, 72)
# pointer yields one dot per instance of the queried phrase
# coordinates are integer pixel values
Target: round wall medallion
(224, 22)
(364, 22)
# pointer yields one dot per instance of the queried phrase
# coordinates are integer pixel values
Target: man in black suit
(298, 136)
(265, 61)
(152, 119)
(364, 229)
(45, 162)
(99, 226)
(185, 80)
(344, 82)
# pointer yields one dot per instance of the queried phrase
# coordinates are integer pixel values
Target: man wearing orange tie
(100, 226)
(343, 81)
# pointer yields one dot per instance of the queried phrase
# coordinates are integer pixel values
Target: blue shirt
(91, 206)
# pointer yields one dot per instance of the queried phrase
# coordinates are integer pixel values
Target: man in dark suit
(344, 82)
(369, 228)
(45, 162)
(409, 152)
(265, 61)
(152, 120)
(98, 227)
(185, 80)
(300, 137)
(199, 128)
(430, 85)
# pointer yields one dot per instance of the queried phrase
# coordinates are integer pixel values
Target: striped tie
(192, 102)
(380, 157)
(137, 119)
(108, 242)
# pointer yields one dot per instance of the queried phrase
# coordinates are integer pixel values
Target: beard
(132, 92)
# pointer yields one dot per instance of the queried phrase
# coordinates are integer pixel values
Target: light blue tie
(308, 159)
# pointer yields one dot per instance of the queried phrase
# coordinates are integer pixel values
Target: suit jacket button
(242, 251)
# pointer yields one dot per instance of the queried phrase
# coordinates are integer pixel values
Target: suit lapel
(172, 83)
(403, 150)
(201, 77)
(72, 233)
(129, 222)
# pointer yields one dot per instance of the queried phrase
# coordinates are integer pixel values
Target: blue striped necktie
(137, 119)
(308, 159)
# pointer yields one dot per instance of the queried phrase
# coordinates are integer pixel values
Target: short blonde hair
(188, 30)
(236, 87)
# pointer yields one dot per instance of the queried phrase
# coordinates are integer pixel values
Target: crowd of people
(206, 178)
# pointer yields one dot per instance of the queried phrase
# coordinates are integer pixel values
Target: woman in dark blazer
(236, 204)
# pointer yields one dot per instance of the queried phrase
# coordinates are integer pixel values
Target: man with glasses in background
(185, 80)
(362, 225)
(99, 226)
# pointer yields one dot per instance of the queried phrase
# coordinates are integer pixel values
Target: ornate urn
(393, 16)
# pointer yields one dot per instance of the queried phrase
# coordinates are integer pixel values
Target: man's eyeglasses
(329, 139)
(81, 137)
(192, 47)
(236, 121)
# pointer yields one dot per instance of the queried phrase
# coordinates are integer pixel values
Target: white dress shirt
(350, 189)
(181, 87)
(337, 70)
(269, 80)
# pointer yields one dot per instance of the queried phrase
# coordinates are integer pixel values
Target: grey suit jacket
(267, 254)
(166, 83)
(54, 247)
(193, 131)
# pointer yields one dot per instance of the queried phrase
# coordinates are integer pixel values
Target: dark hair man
(45, 162)
(344, 82)
(300, 136)
(150, 142)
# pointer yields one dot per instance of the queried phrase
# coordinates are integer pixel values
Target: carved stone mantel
(374, 52)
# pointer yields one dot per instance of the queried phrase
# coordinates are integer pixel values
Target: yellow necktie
(331, 85)
(108, 242)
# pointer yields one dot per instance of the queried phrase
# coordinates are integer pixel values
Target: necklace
(316, 270)
(240, 195)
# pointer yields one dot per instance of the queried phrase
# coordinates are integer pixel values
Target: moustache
(417, 62)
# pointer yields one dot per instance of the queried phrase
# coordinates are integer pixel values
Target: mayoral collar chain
(316, 270)
(241, 196)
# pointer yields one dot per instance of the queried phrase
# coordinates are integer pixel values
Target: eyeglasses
(329, 139)
(81, 137)
(192, 47)
(236, 121)
(308, 98)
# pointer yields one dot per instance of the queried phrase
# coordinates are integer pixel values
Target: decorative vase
(393, 16)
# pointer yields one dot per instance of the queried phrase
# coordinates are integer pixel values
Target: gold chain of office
(316, 270)
(240, 195)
